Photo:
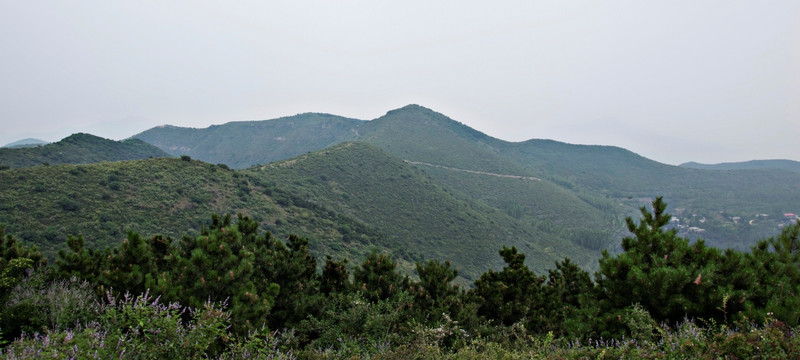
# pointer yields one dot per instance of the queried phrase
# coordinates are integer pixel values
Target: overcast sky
(674, 81)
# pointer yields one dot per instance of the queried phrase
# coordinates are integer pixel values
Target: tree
(774, 267)
(434, 292)
(11, 249)
(565, 293)
(511, 295)
(220, 267)
(86, 264)
(662, 272)
(377, 277)
(293, 269)
(335, 277)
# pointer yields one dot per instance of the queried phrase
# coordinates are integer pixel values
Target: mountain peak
(412, 108)
(83, 136)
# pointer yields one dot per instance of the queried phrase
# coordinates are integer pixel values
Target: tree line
(264, 284)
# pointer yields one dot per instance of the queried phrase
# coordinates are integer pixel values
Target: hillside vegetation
(416, 214)
(715, 197)
(232, 291)
(169, 196)
(79, 149)
(346, 200)
(584, 193)
(243, 144)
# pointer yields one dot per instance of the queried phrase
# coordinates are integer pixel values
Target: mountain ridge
(607, 182)
(241, 144)
(547, 197)
(27, 142)
(784, 164)
(79, 148)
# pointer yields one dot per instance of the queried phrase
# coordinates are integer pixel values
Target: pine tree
(567, 286)
(217, 266)
(377, 277)
(434, 293)
(662, 272)
(335, 277)
(294, 270)
(774, 265)
(11, 249)
(511, 295)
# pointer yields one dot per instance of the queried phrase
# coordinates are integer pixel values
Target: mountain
(419, 134)
(79, 149)
(413, 182)
(42, 205)
(246, 143)
(346, 199)
(29, 142)
(418, 217)
(789, 165)
(472, 163)
(583, 194)
(717, 206)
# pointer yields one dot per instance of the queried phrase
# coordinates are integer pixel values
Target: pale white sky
(675, 81)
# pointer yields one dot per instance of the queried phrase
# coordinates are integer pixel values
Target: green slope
(472, 163)
(44, 204)
(627, 178)
(419, 218)
(246, 143)
(584, 194)
(79, 149)
(346, 199)
(419, 134)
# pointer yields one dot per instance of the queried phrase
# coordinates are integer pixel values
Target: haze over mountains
(28, 142)
(748, 165)
(413, 182)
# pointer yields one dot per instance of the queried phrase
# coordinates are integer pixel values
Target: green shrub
(39, 305)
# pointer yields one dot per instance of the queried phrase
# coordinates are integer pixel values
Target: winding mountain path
(474, 171)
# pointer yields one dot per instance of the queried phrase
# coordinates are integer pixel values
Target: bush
(69, 205)
(38, 305)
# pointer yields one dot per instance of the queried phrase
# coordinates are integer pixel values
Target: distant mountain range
(29, 142)
(413, 182)
(598, 177)
(789, 165)
(247, 143)
(78, 149)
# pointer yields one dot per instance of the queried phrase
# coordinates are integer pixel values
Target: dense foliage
(416, 214)
(42, 205)
(345, 200)
(232, 291)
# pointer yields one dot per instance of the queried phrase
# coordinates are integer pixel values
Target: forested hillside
(719, 205)
(79, 149)
(42, 205)
(346, 199)
(414, 212)
(243, 144)
(232, 291)
(584, 193)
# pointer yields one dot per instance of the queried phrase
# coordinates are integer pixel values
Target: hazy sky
(675, 81)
